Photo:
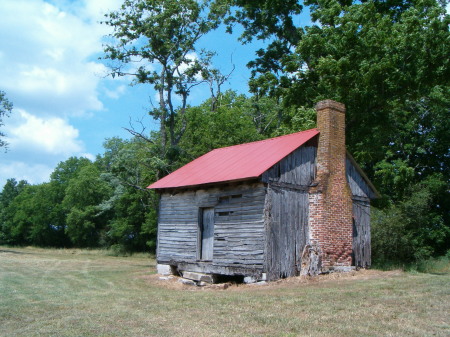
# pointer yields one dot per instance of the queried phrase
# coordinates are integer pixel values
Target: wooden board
(361, 234)
(286, 218)
(207, 234)
(298, 168)
(237, 236)
(357, 184)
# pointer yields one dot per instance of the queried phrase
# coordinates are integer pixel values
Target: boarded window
(224, 213)
(229, 198)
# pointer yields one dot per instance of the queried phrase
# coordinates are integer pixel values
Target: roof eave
(206, 185)
(361, 172)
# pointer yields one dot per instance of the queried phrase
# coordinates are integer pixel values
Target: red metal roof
(237, 162)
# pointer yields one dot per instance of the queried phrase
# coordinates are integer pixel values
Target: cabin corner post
(330, 201)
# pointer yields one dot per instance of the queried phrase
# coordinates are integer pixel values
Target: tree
(33, 218)
(129, 166)
(60, 179)
(11, 190)
(411, 229)
(5, 110)
(9, 193)
(388, 62)
(67, 170)
(16, 223)
(159, 38)
(133, 226)
(47, 217)
(268, 20)
(229, 124)
(85, 220)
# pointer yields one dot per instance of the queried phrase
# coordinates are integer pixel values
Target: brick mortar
(330, 203)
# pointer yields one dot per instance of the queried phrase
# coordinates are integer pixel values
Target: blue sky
(63, 103)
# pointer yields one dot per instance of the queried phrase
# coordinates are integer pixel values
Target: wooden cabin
(268, 209)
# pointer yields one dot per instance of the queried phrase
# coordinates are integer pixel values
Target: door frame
(200, 231)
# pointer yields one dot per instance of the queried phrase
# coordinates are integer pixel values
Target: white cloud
(49, 53)
(89, 156)
(192, 57)
(52, 136)
(115, 93)
(96, 9)
(49, 69)
(33, 173)
(36, 145)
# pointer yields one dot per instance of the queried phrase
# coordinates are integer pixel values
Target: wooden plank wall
(287, 230)
(177, 227)
(361, 233)
(298, 168)
(238, 229)
(361, 195)
(286, 211)
(357, 184)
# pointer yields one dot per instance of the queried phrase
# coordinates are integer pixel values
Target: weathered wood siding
(361, 195)
(287, 229)
(357, 184)
(238, 226)
(298, 168)
(361, 233)
(286, 211)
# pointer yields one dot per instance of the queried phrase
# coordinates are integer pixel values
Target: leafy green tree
(48, 218)
(230, 124)
(273, 21)
(133, 227)
(388, 62)
(5, 110)
(33, 218)
(160, 37)
(130, 166)
(391, 71)
(411, 229)
(85, 221)
(16, 222)
(67, 170)
(134, 162)
(62, 175)
(10, 191)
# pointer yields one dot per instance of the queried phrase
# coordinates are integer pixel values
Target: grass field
(87, 293)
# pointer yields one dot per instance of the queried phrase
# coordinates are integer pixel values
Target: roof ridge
(264, 140)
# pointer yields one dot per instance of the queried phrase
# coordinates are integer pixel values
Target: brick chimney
(330, 203)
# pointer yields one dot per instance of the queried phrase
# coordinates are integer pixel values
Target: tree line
(387, 61)
(105, 203)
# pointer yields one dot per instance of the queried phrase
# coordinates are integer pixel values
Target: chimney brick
(330, 203)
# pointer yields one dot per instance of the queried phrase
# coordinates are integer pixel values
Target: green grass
(438, 265)
(88, 293)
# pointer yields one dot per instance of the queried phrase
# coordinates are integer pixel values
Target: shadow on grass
(12, 252)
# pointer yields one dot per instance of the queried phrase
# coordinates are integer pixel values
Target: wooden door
(287, 232)
(207, 234)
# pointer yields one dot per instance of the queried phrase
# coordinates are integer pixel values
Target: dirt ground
(174, 282)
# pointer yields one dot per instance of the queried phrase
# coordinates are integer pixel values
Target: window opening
(224, 213)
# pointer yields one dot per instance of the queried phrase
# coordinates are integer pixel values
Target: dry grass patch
(86, 293)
